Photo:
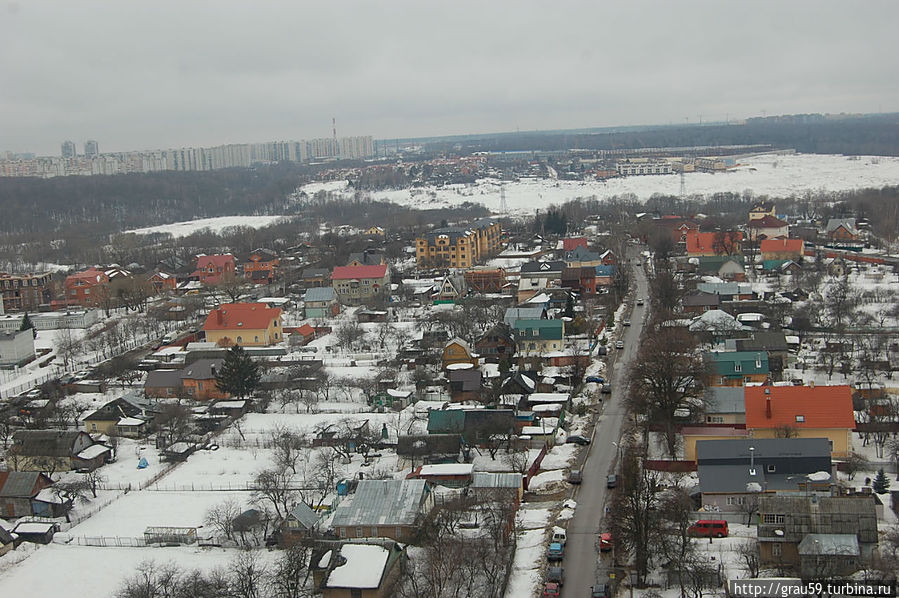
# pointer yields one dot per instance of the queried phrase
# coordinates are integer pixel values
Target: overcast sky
(146, 75)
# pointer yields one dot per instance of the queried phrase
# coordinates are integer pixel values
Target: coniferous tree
(27, 323)
(569, 307)
(881, 484)
(239, 375)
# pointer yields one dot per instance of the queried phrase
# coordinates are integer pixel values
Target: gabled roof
(751, 362)
(320, 294)
(202, 369)
(218, 260)
(546, 329)
(547, 267)
(847, 223)
(725, 399)
(704, 242)
(304, 515)
(46, 443)
(768, 221)
(358, 272)
(605, 270)
(382, 502)
(362, 567)
(700, 298)
(20, 484)
(781, 245)
(163, 379)
(458, 341)
(306, 330)
(236, 316)
(818, 407)
(829, 545)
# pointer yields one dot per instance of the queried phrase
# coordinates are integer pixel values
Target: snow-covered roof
(231, 404)
(447, 469)
(93, 451)
(548, 397)
(33, 528)
(400, 394)
(130, 421)
(362, 569)
(382, 502)
(536, 430)
(547, 407)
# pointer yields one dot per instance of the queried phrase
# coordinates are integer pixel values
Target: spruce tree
(881, 483)
(239, 374)
(569, 307)
(27, 323)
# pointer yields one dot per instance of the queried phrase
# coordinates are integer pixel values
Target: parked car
(556, 575)
(600, 590)
(606, 389)
(560, 535)
(308, 349)
(34, 393)
(575, 476)
(602, 350)
(619, 344)
(551, 590)
(555, 552)
(705, 528)
(605, 541)
(611, 480)
(578, 439)
(639, 302)
(626, 322)
(596, 379)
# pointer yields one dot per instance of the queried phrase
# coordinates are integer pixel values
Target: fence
(109, 541)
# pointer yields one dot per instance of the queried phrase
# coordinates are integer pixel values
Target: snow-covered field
(774, 175)
(182, 229)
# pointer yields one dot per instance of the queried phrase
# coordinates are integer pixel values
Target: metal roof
(18, 484)
(383, 502)
(304, 515)
(724, 399)
(320, 294)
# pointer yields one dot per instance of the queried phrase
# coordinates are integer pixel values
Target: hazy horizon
(170, 74)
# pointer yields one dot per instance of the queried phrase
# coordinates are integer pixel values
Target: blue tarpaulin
(142, 464)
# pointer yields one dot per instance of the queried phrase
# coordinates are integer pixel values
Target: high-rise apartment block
(91, 149)
(68, 149)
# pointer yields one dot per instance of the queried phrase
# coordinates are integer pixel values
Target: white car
(619, 345)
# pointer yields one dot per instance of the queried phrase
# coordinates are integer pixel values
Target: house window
(200, 385)
(736, 500)
(343, 532)
(399, 533)
(255, 339)
(776, 549)
(772, 468)
(747, 379)
(774, 518)
(738, 367)
(239, 339)
(800, 419)
(358, 532)
(94, 427)
(355, 593)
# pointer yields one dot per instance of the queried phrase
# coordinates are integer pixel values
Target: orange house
(81, 287)
(808, 411)
(716, 243)
(198, 380)
(162, 281)
(262, 266)
(782, 249)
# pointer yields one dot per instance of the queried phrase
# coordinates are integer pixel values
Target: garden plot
(527, 564)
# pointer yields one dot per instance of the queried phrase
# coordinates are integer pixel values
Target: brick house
(782, 249)
(25, 292)
(244, 324)
(81, 287)
(357, 284)
(262, 266)
(715, 243)
(212, 268)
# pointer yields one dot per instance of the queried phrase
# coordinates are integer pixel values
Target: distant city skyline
(172, 74)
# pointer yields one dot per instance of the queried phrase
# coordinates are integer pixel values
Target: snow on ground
(132, 514)
(548, 480)
(182, 229)
(533, 516)
(558, 457)
(526, 574)
(775, 175)
(60, 570)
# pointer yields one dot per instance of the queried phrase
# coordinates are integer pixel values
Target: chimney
(768, 407)
(212, 369)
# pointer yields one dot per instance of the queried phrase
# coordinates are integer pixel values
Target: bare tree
(749, 557)
(249, 577)
(275, 486)
(174, 422)
(287, 445)
(221, 517)
(291, 571)
(854, 463)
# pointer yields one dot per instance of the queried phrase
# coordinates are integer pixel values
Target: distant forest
(864, 135)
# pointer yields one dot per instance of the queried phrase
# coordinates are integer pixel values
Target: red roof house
(245, 324)
(355, 284)
(80, 288)
(808, 411)
(716, 243)
(571, 243)
(211, 268)
(782, 249)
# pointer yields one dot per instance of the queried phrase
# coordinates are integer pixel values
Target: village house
(536, 277)
(845, 528)
(496, 344)
(315, 277)
(513, 314)
(357, 284)
(762, 209)
(782, 249)
(807, 411)
(485, 280)
(262, 266)
(767, 227)
(361, 570)
(198, 380)
(55, 450)
(118, 417)
(735, 472)
(535, 337)
(244, 324)
(581, 279)
(725, 405)
(736, 368)
(842, 229)
(321, 303)
(727, 267)
(366, 257)
(676, 227)
(458, 351)
(301, 522)
(464, 384)
(20, 495)
(715, 243)
(162, 282)
(451, 288)
(572, 243)
(384, 509)
(699, 302)
(211, 269)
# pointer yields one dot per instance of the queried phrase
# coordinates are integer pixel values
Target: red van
(706, 528)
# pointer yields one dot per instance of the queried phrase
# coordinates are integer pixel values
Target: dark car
(602, 351)
(600, 590)
(597, 379)
(606, 389)
(575, 476)
(611, 480)
(556, 575)
(577, 439)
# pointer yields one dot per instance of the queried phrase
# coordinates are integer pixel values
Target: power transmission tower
(503, 208)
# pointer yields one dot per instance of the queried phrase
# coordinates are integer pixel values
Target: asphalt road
(581, 551)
